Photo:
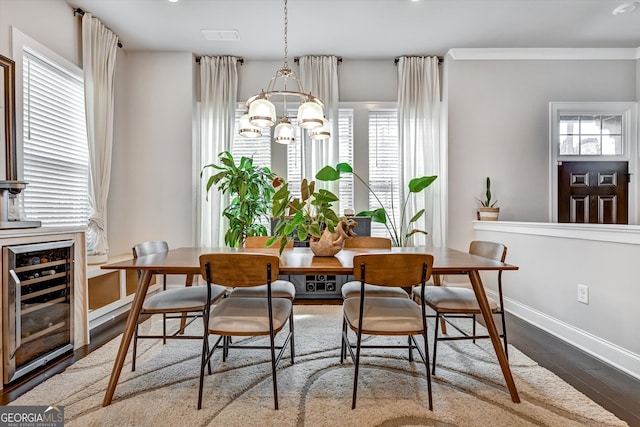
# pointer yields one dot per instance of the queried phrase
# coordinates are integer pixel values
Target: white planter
(488, 214)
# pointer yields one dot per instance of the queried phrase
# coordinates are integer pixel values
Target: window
(56, 160)
(345, 143)
(383, 165)
(345, 138)
(259, 149)
(584, 137)
(590, 134)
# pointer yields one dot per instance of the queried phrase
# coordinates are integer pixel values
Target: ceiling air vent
(221, 35)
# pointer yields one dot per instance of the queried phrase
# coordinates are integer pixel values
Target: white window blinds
(383, 165)
(259, 149)
(345, 143)
(345, 140)
(56, 162)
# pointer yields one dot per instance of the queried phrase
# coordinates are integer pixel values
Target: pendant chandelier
(261, 112)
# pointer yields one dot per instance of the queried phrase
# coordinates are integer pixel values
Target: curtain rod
(239, 59)
(80, 12)
(397, 58)
(297, 59)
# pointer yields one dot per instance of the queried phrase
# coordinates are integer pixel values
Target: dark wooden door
(593, 192)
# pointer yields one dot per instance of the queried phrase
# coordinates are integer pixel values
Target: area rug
(468, 388)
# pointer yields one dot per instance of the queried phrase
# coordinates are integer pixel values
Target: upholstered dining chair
(188, 302)
(387, 316)
(352, 288)
(279, 288)
(245, 316)
(460, 302)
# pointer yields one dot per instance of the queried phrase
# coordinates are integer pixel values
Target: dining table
(301, 261)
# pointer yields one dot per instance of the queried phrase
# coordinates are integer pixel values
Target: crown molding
(532, 54)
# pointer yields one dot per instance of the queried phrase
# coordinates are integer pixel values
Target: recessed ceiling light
(221, 35)
(173, 1)
(625, 8)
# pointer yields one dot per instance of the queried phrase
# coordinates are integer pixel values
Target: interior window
(56, 159)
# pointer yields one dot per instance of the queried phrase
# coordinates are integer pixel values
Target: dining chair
(451, 302)
(188, 302)
(245, 316)
(279, 288)
(387, 316)
(352, 288)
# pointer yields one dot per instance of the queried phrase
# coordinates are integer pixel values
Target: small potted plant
(488, 210)
(309, 217)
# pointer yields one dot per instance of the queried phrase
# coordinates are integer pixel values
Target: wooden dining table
(301, 261)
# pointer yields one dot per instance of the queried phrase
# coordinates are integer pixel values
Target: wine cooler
(38, 305)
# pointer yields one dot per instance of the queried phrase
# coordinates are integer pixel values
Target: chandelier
(261, 112)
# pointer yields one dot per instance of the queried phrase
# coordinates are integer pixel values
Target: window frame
(629, 113)
(20, 41)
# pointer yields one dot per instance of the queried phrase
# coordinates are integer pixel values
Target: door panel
(593, 192)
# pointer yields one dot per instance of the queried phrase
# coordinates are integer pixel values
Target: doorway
(593, 192)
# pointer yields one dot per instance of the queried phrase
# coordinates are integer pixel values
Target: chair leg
(273, 370)
(357, 366)
(164, 328)
(135, 349)
(435, 343)
(205, 354)
(474, 328)
(343, 346)
(426, 364)
(292, 342)
(504, 334)
(410, 348)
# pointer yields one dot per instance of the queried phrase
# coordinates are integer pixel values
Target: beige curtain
(218, 95)
(99, 47)
(421, 150)
(319, 75)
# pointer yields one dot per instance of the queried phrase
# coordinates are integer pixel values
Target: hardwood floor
(614, 390)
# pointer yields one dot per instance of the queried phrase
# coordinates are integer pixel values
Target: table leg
(183, 320)
(134, 312)
(478, 288)
(437, 281)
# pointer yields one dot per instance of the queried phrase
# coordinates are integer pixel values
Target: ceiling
(365, 29)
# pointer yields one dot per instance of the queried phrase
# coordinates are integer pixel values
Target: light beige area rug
(468, 389)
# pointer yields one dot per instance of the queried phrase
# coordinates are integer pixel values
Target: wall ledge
(612, 233)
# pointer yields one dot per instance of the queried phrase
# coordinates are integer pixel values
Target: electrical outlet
(583, 294)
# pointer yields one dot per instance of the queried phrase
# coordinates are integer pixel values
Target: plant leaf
(327, 173)
(379, 215)
(417, 216)
(344, 167)
(416, 185)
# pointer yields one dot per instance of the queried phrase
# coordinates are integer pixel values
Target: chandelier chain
(286, 43)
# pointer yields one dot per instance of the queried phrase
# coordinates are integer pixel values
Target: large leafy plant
(400, 230)
(250, 188)
(303, 217)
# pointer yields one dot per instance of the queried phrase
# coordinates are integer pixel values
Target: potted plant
(250, 188)
(400, 233)
(488, 210)
(310, 216)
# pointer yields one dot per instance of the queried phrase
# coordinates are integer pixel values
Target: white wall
(553, 260)
(152, 180)
(499, 127)
(50, 22)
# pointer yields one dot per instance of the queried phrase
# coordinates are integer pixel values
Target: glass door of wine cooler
(38, 305)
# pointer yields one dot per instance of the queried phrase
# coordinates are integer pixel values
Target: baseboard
(603, 350)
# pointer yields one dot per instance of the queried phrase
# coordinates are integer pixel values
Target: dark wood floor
(614, 390)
